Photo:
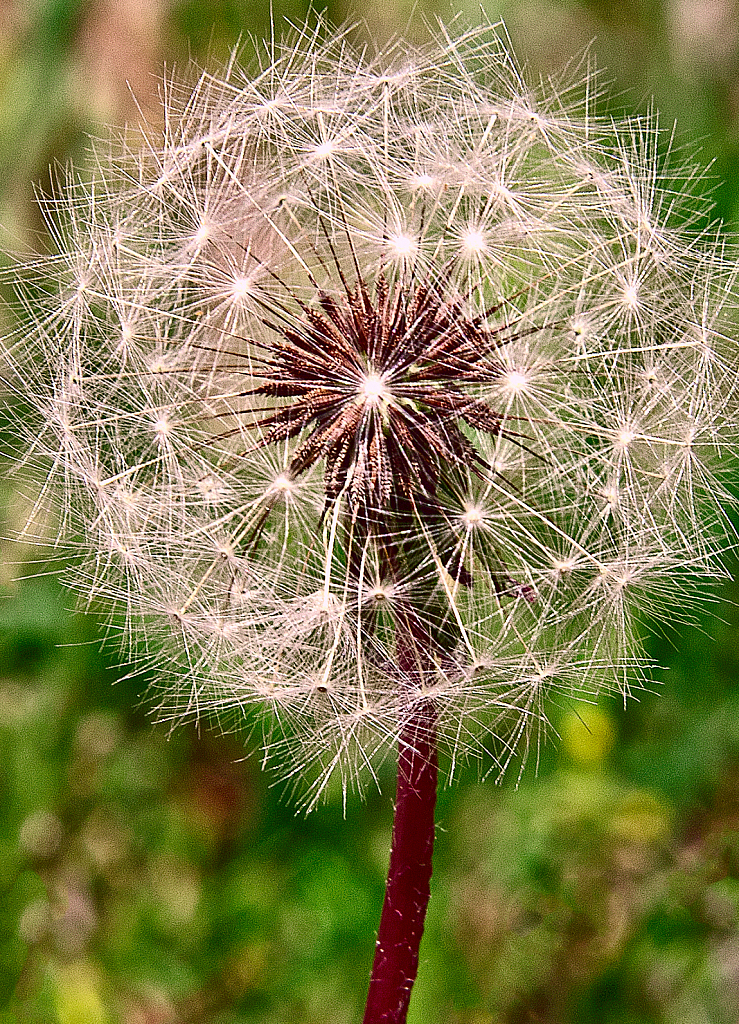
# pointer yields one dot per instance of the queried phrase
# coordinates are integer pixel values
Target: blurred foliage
(154, 879)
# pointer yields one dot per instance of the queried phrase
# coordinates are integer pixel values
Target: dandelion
(375, 397)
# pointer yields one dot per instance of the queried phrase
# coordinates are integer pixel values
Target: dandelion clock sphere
(374, 395)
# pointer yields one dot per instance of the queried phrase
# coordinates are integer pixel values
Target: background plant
(77, 976)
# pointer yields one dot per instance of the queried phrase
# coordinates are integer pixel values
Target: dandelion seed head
(563, 566)
(371, 381)
(213, 490)
(268, 106)
(611, 496)
(503, 192)
(242, 593)
(473, 517)
(241, 288)
(159, 363)
(162, 426)
(202, 234)
(402, 245)
(473, 242)
(224, 548)
(324, 150)
(380, 594)
(321, 684)
(282, 486)
(625, 436)
(373, 390)
(515, 381)
(128, 330)
(321, 605)
(422, 181)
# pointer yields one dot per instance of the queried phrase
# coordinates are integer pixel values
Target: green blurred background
(155, 879)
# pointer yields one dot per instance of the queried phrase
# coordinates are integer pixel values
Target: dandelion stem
(409, 875)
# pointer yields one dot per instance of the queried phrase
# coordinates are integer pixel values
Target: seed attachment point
(373, 390)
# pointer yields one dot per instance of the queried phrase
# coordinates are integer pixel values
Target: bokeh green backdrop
(156, 879)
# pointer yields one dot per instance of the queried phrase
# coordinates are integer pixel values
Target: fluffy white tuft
(185, 268)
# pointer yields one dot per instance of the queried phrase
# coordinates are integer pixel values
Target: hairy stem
(409, 875)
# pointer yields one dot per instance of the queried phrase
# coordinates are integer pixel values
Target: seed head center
(282, 485)
(472, 517)
(373, 390)
(516, 381)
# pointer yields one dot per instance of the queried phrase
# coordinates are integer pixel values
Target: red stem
(409, 875)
